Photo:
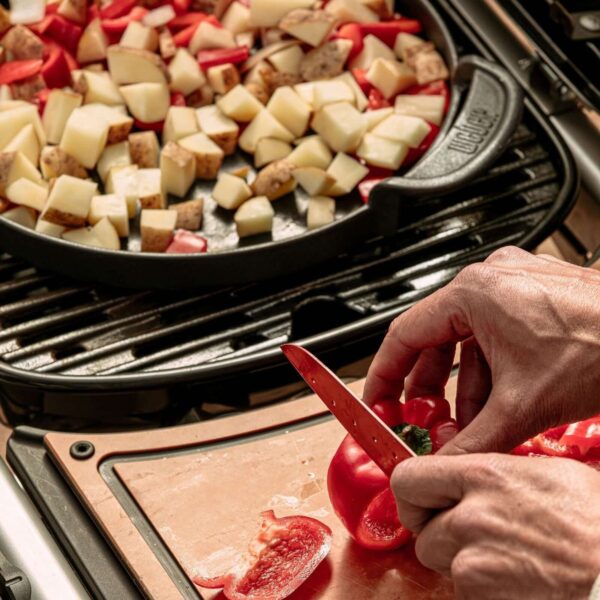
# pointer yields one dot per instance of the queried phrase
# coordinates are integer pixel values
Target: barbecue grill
(80, 357)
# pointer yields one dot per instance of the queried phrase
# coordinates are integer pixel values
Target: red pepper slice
(182, 38)
(181, 6)
(41, 98)
(387, 31)
(16, 70)
(186, 242)
(117, 8)
(55, 71)
(114, 28)
(377, 100)
(221, 56)
(352, 32)
(177, 99)
(583, 435)
(283, 556)
(64, 32)
(183, 21)
(156, 126)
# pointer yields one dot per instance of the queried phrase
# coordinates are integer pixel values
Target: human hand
(509, 528)
(530, 333)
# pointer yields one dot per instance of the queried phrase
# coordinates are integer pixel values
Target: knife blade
(384, 447)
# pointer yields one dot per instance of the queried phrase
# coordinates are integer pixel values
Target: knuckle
(464, 566)
(506, 254)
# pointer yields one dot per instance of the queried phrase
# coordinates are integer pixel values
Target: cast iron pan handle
(488, 117)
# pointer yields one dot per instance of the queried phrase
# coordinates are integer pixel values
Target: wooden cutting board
(202, 488)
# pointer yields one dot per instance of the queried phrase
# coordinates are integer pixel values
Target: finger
(435, 321)
(438, 543)
(431, 372)
(474, 383)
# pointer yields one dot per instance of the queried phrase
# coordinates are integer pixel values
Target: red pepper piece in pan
(584, 435)
(361, 78)
(117, 8)
(16, 70)
(55, 71)
(221, 56)
(183, 21)
(352, 32)
(186, 242)
(377, 100)
(283, 556)
(387, 31)
(360, 491)
(181, 7)
(41, 98)
(114, 28)
(64, 32)
(415, 154)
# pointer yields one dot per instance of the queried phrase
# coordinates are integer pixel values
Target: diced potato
(401, 128)
(330, 92)
(147, 102)
(139, 36)
(5, 93)
(186, 76)
(382, 8)
(269, 150)
(123, 182)
(166, 44)
(150, 189)
(113, 156)
(307, 25)
(189, 214)
(237, 18)
(209, 36)
(230, 191)
(201, 97)
(178, 169)
(428, 67)
(374, 117)
(262, 126)
(74, 10)
(373, 49)
(351, 11)
(83, 235)
(390, 77)
(113, 208)
(101, 89)
(239, 104)
(27, 193)
(180, 122)
(382, 152)
(306, 91)
(106, 234)
(26, 141)
(325, 61)
(84, 138)
(14, 166)
(275, 180)
(26, 89)
(430, 108)
(290, 110)
(209, 156)
(219, 128)
(93, 44)
(22, 215)
(254, 216)
(55, 162)
(312, 152)
(160, 16)
(118, 121)
(60, 105)
(247, 38)
(268, 13)
(360, 100)
(340, 125)
(347, 173)
(223, 78)
(287, 60)
(321, 211)
(131, 65)
(157, 228)
(313, 180)
(22, 43)
(144, 149)
(15, 118)
(50, 229)
(69, 201)
(404, 41)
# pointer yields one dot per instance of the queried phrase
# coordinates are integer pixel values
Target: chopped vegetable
(186, 242)
(221, 56)
(17, 70)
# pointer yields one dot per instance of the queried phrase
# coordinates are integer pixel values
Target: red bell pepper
(373, 177)
(221, 56)
(41, 98)
(64, 32)
(183, 21)
(360, 491)
(352, 32)
(16, 70)
(184, 37)
(387, 31)
(377, 100)
(361, 78)
(115, 28)
(55, 71)
(177, 99)
(186, 242)
(117, 8)
(283, 556)
(584, 435)
(181, 7)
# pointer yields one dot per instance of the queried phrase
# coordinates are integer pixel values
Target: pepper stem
(417, 438)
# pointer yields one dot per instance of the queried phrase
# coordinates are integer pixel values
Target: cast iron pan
(485, 110)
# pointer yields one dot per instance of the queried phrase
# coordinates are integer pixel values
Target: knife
(384, 447)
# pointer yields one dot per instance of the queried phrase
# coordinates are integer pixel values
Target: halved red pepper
(16, 70)
(352, 32)
(360, 491)
(55, 71)
(387, 31)
(221, 56)
(283, 556)
(114, 28)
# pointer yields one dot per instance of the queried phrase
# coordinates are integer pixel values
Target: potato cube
(308, 25)
(306, 91)
(382, 152)
(131, 65)
(20, 41)
(139, 36)
(430, 108)
(374, 117)
(347, 173)
(231, 191)
(180, 122)
(262, 126)
(223, 78)
(325, 61)
(330, 92)
(401, 128)
(218, 127)
(189, 214)
(147, 102)
(50, 229)
(290, 110)
(93, 44)
(5, 92)
(313, 180)
(340, 125)
(269, 150)
(69, 201)
(186, 76)
(239, 104)
(26, 142)
(112, 207)
(312, 152)
(55, 162)
(390, 77)
(373, 48)
(60, 105)
(406, 41)
(254, 216)
(82, 235)
(178, 169)
(287, 60)
(106, 234)
(237, 18)
(428, 67)
(166, 44)
(14, 166)
(209, 156)
(268, 13)
(351, 11)
(113, 156)
(144, 149)
(118, 121)
(157, 228)
(27, 193)
(100, 88)
(275, 180)
(150, 189)
(208, 36)
(360, 100)
(16, 116)
(84, 138)
(321, 211)
(247, 38)
(122, 181)
(22, 215)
